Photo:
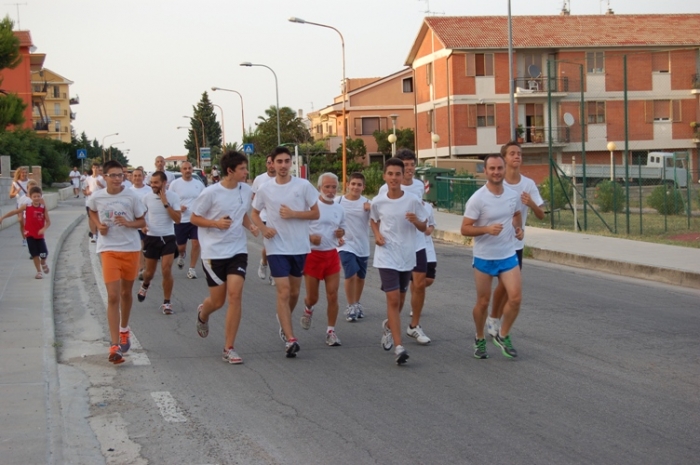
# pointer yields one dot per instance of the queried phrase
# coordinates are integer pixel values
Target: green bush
(256, 165)
(610, 196)
(666, 200)
(373, 179)
(562, 195)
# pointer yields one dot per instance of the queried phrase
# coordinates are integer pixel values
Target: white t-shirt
(94, 184)
(188, 191)
(399, 251)
(332, 217)
(141, 191)
(357, 221)
(74, 178)
(22, 190)
(429, 246)
(257, 182)
(108, 206)
(417, 188)
(216, 201)
(525, 185)
(292, 236)
(126, 183)
(487, 209)
(82, 181)
(157, 217)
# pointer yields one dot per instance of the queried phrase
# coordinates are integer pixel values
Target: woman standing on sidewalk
(17, 191)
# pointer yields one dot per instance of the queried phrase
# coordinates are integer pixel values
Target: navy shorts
(393, 280)
(37, 247)
(495, 267)
(282, 266)
(155, 247)
(217, 270)
(185, 231)
(353, 265)
(421, 262)
(432, 270)
(519, 253)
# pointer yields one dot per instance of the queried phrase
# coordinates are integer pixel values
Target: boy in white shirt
(117, 212)
(137, 177)
(394, 218)
(259, 180)
(93, 183)
(187, 188)
(290, 203)
(74, 176)
(221, 214)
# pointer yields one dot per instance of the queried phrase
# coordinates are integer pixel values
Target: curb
(53, 400)
(631, 270)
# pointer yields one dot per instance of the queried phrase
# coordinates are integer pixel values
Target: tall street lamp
(103, 145)
(435, 138)
(109, 153)
(612, 147)
(204, 139)
(277, 96)
(223, 127)
(214, 89)
(392, 137)
(196, 142)
(345, 88)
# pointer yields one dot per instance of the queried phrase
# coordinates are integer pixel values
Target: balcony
(41, 127)
(40, 90)
(537, 136)
(74, 100)
(72, 115)
(527, 87)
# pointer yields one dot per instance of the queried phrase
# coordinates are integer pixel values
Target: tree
(356, 150)
(11, 105)
(203, 113)
(405, 138)
(292, 130)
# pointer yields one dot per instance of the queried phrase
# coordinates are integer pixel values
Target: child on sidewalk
(36, 222)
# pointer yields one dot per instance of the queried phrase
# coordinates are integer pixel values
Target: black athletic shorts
(37, 247)
(217, 270)
(155, 247)
(432, 270)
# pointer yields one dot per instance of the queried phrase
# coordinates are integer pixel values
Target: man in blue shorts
(492, 217)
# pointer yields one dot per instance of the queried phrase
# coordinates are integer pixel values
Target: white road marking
(168, 407)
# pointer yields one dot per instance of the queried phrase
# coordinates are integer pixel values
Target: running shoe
(505, 345)
(492, 326)
(332, 339)
(125, 340)
(281, 331)
(351, 313)
(418, 334)
(401, 355)
(115, 355)
(141, 274)
(192, 273)
(305, 319)
(202, 326)
(387, 338)
(262, 271)
(272, 281)
(93, 239)
(142, 293)
(167, 309)
(181, 262)
(480, 349)
(359, 310)
(291, 348)
(231, 357)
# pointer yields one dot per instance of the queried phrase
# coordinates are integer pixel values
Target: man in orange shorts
(323, 263)
(118, 212)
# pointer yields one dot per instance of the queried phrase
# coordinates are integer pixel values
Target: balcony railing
(542, 84)
(41, 126)
(696, 81)
(72, 115)
(74, 100)
(540, 134)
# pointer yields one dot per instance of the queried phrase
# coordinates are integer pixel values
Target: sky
(140, 66)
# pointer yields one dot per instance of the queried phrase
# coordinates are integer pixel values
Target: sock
(398, 349)
(411, 326)
(330, 328)
(166, 301)
(123, 330)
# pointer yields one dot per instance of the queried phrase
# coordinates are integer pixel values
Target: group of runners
(308, 234)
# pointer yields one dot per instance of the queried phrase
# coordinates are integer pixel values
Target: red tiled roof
(176, 158)
(491, 32)
(25, 38)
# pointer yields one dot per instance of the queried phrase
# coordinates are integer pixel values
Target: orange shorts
(322, 263)
(120, 265)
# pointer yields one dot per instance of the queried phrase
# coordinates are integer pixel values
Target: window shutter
(471, 116)
(471, 64)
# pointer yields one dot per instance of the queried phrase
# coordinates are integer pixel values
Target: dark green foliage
(11, 106)
(405, 139)
(563, 192)
(27, 149)
(292, 130)
(667, 201)
(374, 178)
(203, 114)
(610, 196)
(356, 151)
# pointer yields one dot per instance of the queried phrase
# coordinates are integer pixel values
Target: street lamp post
(435, 138)
(612, 147)
(277, 96)
(103, 145)
(393, 117)
(204, 140)
(109, 153)
(345, 88)
(196, 142)
(214, 89)
(223, 127)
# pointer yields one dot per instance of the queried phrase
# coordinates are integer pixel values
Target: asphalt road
(609, 372)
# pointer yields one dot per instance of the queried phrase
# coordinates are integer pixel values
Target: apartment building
(17, 80)
(569, 81)
(51, 112)
(373, 103)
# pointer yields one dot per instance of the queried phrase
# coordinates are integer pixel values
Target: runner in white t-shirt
(160, 166)
(188, 188)
(354, 249)
(118, 212)
(259, 180)
(395, 216)
(492, 217)
(221, 214)
(163, 212)
(137, 177)
(74, 176)
(93, 183)
(290, 203)
(530, 199)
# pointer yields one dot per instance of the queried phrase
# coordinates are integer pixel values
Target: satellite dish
(569, 119)
(534, 71)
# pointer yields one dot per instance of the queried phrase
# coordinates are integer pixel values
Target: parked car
(201, 175)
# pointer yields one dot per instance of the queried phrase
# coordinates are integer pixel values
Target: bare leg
(483, 295)
(332, 285)
(166, 268)
(394, 302)
(417, 297)
(234, 289)
(127, 299)
(113, 295)
(499, 300)
(284, 312)
(195, 250)
(312, 286)
(37, 263)
(513, 285)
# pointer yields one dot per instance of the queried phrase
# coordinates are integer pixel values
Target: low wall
(50, 198)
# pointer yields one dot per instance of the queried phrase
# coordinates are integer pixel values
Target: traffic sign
(82, 154)
(248, 149)
(205, 153)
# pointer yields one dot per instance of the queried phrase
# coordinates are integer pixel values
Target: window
(479, 64)
(429, 73)
(56, 93)
(481, 115)
(664, 110)
(431, 118)
(530, 59)
(596, 112)
(407, 85)
(57, 109)
(367, 126)
(639, 157)
(595, 62)
(57, 126)
(660, 62)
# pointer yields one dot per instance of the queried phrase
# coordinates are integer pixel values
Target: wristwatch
(167, 205)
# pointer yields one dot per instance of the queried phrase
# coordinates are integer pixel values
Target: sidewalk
(30, 430)
(668, 264)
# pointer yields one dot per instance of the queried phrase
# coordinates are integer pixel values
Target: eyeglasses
(115, 175)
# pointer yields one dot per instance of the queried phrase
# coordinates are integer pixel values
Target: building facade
(575, 79)
(52, 113)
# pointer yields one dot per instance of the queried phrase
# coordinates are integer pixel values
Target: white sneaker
(93, 239)
(192, 273)
(181, 262)
(418, 334)
(387, 338)
(492, 326)
(272, 281)
(306, 317)
(231, 357)
(401, 355)
(262, 271)
(332, 339)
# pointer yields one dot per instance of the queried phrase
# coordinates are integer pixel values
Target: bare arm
(312, 214)
(468, 228)
(250, 226)
(378, 238)
(221, 223)
(267, 233)
(13, 212)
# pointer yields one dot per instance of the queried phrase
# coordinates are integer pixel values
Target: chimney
(609, 12)
(300, 113)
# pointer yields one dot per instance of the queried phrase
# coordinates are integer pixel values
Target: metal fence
(453, 193)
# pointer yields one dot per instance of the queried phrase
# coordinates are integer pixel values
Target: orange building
(18, 80)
